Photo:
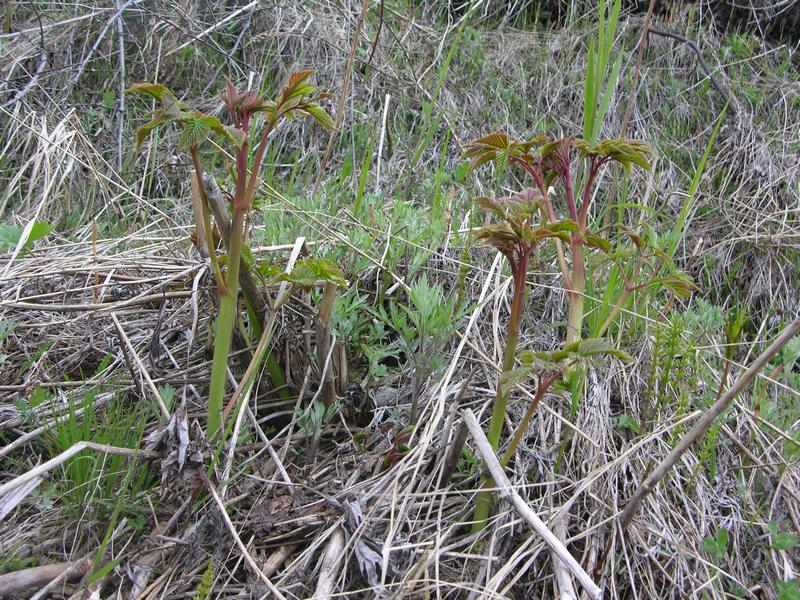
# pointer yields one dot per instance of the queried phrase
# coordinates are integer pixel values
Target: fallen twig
(701, 427)
(506, 490)
(330, 566)
(696, 49)
(26, 580)
(48, 466)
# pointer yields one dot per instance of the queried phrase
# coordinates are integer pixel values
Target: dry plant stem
(151, 387)
(507, 491)
(483, 502)
(329, 570)
(276, 559)
(704, 423)
(348, 71)
(26, 580)
(200, 230)
(323, 334)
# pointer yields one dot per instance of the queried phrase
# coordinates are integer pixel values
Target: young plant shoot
(298, 98)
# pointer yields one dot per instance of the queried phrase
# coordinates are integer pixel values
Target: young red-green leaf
(488, 148)
(213, 124)
(298, 97)
(560, 230)
(239, 102)
(153, 90)
(581, 349)
(310, 271)
(596, 241)
(501, 236)
(195, 131)
(550, 149)
(145, 130)
(316, 112)
(624, 151)
(295, 83)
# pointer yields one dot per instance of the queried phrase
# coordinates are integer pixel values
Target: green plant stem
(245, 190)
(224, 326)
(258, 355)
(483, 503)
(614, 312)
(544, 384)
(545, 381)
(576, 293)
(250, 192)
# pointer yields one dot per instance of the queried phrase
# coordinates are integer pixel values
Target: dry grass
(62, 161)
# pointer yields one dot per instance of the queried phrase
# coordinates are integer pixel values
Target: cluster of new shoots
(531, 216)
(298, 98)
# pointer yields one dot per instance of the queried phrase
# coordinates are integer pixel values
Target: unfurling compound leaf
(298, 97)
(157, 119)
(509, 379)
(596, 241)
(195, 132)
(580, 350)
(153, 90)
(679, 283)
(319, 114)
(308, 272)
(591, 347)
(637, 240)
(624, 151)
(487, 149)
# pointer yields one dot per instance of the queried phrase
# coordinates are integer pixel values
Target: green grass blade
(683, 221)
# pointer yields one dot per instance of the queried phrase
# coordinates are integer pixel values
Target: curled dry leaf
(184, 456)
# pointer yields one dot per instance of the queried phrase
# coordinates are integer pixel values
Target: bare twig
(26, 580)
(726, 96)
(380, 143)
(121, 99)
(329, 571)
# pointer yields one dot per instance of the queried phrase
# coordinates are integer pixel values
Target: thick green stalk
(224, 326)
(575, 318)
(483, 502)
